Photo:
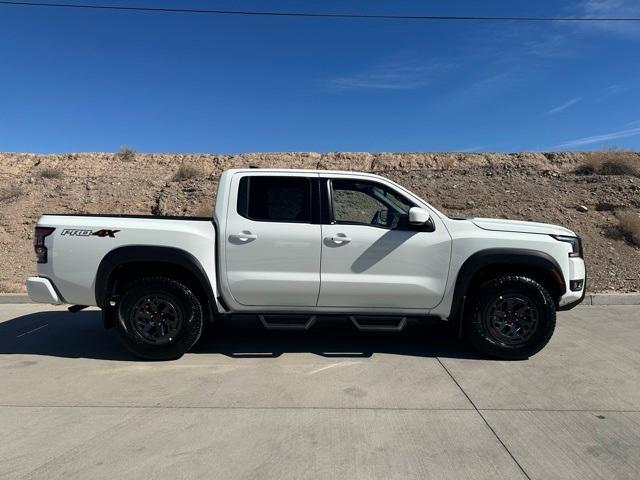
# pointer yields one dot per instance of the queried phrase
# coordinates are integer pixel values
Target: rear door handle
(244, 236)
(340, 239)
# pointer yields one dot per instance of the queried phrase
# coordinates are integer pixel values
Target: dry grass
(204, 210)
(629, 223)
(10, 193)
(187, 172)
(614, 161)
(445, 163)
(11, 287)
(50, 172)
(126, 154)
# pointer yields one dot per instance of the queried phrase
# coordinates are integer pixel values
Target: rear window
(275, 199)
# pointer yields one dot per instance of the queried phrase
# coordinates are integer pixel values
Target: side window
(275, 199)
(357, 202)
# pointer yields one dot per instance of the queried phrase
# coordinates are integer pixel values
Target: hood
(501, 225)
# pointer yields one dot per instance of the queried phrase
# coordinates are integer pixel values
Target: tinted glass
(275, 199)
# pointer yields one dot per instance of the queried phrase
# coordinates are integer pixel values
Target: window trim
(332, 218)
(324, 201)
(314, 205)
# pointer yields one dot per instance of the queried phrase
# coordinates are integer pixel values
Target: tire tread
(194, 323)
(488, 347)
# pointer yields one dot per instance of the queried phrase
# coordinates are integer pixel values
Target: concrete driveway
(330, 403)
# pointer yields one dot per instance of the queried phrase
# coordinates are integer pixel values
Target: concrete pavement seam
(410, 409)
(495, 434)
(213, 407)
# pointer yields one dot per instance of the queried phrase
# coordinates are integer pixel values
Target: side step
(287, 322)
(378, 323)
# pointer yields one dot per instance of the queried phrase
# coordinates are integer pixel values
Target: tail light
(38, 243)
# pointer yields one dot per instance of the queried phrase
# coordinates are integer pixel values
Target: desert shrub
(187, 172)
(126, 154)
(204, 210)
(629, 224)
(10, 193)
(50, 172)
(613, 161)
(445, 163)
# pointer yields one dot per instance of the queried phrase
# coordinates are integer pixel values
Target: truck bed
(79, 243)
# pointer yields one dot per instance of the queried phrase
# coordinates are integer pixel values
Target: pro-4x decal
(105, 233)
(74, 232)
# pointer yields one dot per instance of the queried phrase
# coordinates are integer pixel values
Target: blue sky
(76, 80)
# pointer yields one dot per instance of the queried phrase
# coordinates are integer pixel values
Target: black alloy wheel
(511, 317)
(159, 318)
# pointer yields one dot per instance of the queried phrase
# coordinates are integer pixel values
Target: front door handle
(340, 239)
(245, 236)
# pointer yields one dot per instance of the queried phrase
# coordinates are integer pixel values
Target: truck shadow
(381, 248)
(81, 335)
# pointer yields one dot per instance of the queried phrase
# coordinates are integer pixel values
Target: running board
(378, 323)
(77, 308)
(287, 322)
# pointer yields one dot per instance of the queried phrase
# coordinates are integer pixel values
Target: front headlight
(576, 244)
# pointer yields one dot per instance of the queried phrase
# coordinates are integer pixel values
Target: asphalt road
(331, 403)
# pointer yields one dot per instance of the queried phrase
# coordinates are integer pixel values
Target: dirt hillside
(529, 186)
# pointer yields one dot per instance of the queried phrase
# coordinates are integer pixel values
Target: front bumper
(41, 290)
(577, 271)
(573, 303)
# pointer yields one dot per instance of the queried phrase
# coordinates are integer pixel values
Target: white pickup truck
(294, 246)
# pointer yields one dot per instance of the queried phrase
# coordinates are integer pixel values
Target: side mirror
(418, 216)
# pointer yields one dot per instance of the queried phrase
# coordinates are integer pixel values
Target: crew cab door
(272, 239)
(372, 257)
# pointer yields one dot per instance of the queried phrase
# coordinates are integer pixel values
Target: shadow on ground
(81, 335)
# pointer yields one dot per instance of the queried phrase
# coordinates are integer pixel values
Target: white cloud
(632, 132)
(547, 44)
(614, 89)
(390, 76)
(612, 8)
(564, 106)
(618, 89)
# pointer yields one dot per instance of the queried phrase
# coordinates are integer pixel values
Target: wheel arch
(126, 263)
(491, 262)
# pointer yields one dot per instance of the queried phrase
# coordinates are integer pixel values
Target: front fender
(518, 257)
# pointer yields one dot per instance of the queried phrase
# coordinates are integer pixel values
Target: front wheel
(510, 317)
(159, 318)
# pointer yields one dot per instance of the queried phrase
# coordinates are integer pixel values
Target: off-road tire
(483, 336)
(182, 301)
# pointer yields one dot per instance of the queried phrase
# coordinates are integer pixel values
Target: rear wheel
(510, 317)
(159, 318)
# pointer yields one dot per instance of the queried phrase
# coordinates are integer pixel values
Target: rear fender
(119, 257)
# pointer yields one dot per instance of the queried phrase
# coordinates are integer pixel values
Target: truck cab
(330, 242)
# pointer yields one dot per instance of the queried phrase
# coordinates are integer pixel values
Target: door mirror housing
(418, 216)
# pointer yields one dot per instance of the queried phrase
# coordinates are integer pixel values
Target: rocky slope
(528, 186)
